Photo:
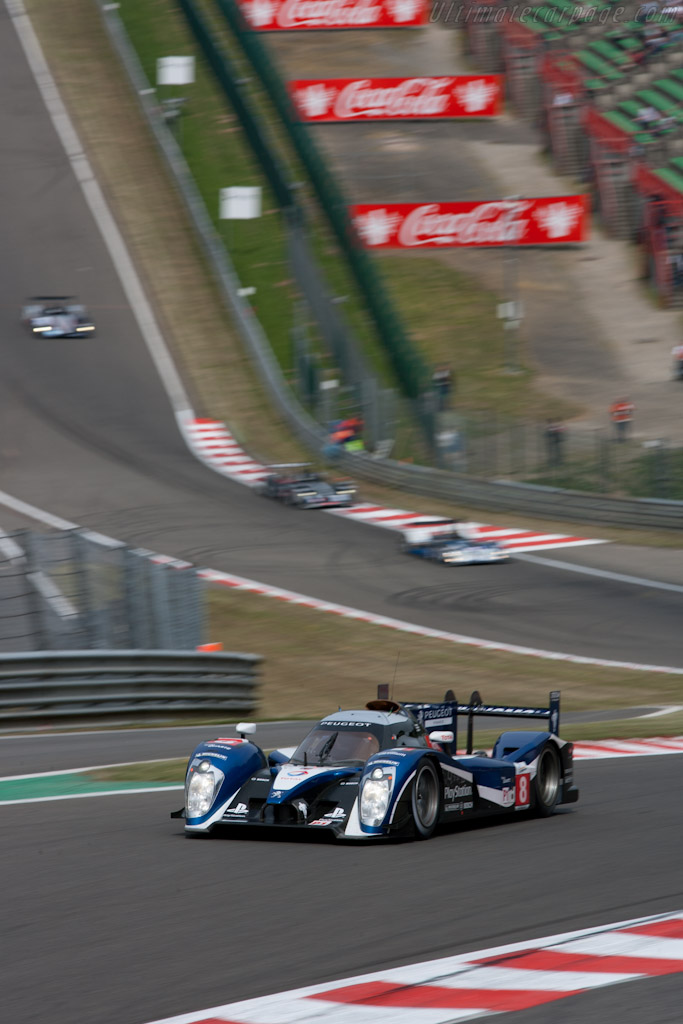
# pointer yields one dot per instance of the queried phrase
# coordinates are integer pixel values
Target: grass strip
(315, 661)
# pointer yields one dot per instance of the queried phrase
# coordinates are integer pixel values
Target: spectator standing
(554, 439)
(621, 414)
(442, 383)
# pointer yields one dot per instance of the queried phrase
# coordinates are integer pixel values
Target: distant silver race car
(444, 541)
(298, 485)
(53, 316)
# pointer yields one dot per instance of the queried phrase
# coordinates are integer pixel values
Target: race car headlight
(85, 328)
(203, 784)
(374, 798)
(39, 330)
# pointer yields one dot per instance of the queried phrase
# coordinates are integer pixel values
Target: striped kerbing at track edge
(589, 750)
(211, 441)
(213, 444)
(227, 579)
(592, 750)
(475, 985)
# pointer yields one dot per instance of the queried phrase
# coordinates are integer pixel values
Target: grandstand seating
(586, 75)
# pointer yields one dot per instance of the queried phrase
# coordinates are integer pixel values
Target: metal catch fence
(553, 454)
(73, 590)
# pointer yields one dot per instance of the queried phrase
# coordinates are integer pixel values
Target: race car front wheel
(426, 799)
(548, 781)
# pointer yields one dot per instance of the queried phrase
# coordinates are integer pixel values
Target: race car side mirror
(246, 728)
(441, 736)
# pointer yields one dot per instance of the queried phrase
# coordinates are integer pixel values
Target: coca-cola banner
(280, 15)
(501, 222)
(369, 99)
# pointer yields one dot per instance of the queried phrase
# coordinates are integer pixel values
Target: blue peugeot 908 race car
(444, 541)
(388, 769)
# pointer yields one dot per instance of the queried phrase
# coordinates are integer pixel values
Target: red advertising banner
(370, 99)
(500, 222)
(282, 15)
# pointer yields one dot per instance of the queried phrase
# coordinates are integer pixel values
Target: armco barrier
(129, 685)
(547, 502)
(508, 496)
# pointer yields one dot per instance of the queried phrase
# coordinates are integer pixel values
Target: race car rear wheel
(426, 799)
(547, 782)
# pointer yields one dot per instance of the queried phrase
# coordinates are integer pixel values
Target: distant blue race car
(441, 541)
(390, 769)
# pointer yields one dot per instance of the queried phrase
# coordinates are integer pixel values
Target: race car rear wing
(445, 715)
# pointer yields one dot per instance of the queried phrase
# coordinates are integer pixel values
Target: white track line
(606, 574)
(162, 788)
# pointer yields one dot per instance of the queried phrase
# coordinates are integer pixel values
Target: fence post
(28, 541)
(163, 638)
(136, 597)
(193, 606)
(80, 559)
(604, 460)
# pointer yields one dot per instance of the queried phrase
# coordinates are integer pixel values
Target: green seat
(678, 74)
(596, 83)
(601, 68)
(595, 63)
(627, 125)
(535, 26)
(677, 161)
(621, 121)
(671, 177)
(657, 100)
(671, 87)
(630, 107)
(609, 52)
(629, 43)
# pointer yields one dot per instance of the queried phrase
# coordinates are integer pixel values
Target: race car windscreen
(329, 745)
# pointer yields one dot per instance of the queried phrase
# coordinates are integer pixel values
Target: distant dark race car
(389, 769)
(443, 541)
(57, 317)
(298, 485)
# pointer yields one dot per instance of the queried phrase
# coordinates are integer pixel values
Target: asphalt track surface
(109, 914)
(20, 754)
(88, 433)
